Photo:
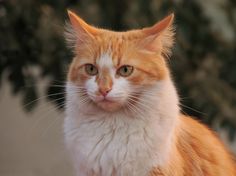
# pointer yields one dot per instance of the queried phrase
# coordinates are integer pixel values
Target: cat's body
(122, 112)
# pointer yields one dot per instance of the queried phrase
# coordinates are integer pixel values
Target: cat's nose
(104, 91)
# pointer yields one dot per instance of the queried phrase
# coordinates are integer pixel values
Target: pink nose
(104, 92)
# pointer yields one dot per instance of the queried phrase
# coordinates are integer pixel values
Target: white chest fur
(116, 144)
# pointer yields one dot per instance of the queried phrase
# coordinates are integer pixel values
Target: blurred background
(34, 62)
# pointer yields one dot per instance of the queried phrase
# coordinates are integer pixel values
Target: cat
(122, 109)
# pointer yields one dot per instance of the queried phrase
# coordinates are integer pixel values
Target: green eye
(91, 69)
(125, 70)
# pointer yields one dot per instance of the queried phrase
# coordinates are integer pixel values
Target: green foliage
(203, 62)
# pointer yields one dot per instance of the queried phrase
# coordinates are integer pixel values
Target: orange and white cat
(122, 109)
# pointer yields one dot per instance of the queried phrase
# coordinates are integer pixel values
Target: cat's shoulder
(198, 152)
(200, 146)
(191, 128)
(199, 136)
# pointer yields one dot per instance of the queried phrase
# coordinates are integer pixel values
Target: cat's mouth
(108, 104)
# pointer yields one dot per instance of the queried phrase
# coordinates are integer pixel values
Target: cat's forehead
(108, 51)
(112, 47)
(105, 60)
(110, 42)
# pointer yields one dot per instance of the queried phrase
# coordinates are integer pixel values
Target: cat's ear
(78, 31)
(159, 37)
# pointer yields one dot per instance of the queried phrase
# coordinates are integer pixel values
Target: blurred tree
(203, 61)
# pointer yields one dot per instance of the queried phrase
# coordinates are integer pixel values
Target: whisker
(136, 109)
(184, 98)
(50, 95)
(52, 85)
(44, 113)
(42, 97)
(84, 100)
(133, 108)
(141, 103)
(53, 122)
(195, 110)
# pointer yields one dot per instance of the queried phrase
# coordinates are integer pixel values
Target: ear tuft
(77, 31)
(160, 26)
(70, 35)
(79, 24)
(160, 37)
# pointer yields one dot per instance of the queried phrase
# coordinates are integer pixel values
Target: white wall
(31, 144)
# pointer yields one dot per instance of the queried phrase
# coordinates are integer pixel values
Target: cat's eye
(91, 70)
(125, 70)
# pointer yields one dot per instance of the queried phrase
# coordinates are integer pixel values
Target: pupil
(125, 69)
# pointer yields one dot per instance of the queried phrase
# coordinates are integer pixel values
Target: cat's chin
(109, 106)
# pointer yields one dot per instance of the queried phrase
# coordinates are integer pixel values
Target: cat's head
(112, 69)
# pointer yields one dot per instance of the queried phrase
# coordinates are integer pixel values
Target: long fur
(138, 129)
(121, 143)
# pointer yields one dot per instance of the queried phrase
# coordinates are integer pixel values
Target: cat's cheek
(91, 89)
(120, 90)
